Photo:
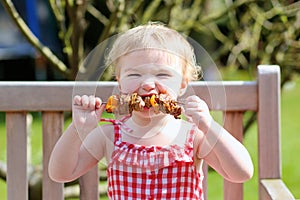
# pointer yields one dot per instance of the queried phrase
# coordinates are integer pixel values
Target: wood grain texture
(17, 181)
(53, 124)
(89, 184)
(275, 189)
(269, 122)
(233, 122)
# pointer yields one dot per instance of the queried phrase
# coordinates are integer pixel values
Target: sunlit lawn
(290, 148)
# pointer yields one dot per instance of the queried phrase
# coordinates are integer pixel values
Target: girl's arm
(82, 144)
(216, 146)
(225, 154)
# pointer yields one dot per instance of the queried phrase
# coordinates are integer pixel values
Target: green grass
(289, 147)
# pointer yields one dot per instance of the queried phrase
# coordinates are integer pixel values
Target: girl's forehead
(149, 56)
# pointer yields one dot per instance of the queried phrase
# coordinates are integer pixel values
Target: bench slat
(233, 122)
(17, 181)
(53, 123)
(227, 95)
(57, 96)
(205, 181)
(89, 185)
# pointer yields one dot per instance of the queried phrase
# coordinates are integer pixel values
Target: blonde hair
(156, 36)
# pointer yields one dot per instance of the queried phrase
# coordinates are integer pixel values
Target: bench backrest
(54, 98)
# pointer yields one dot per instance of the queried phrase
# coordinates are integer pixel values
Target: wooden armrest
(275, 189)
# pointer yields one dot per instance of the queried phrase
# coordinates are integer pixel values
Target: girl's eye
(163, 75)
(133, 75)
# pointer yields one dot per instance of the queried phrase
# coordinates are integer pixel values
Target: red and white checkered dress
(153, 172)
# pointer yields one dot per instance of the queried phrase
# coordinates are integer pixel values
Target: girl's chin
(147, 112)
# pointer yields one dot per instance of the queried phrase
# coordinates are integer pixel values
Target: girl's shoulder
(186, 123)
(194, 132)
(182, 130)
(187, 126)
(107, 130)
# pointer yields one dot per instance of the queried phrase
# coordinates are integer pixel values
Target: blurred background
(44, 40)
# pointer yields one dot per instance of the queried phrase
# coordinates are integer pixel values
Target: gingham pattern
(152, 172)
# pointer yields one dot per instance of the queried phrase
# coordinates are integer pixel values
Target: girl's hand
(196, 111)
(87, 112)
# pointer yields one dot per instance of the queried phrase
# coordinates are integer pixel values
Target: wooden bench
(54, 98)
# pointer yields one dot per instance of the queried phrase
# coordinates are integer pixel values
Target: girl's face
(148, 72)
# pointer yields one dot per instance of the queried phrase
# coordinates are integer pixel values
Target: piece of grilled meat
(124, 104)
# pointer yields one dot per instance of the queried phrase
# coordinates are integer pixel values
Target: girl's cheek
(128, 86)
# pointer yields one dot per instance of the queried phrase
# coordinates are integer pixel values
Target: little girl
(150, 155)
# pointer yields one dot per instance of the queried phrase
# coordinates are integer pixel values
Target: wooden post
(269, 123)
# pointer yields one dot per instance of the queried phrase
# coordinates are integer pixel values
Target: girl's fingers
(100, 110)
(77, 100)
(192, 104)
(98, 102)
(92, 102)
(87, 102)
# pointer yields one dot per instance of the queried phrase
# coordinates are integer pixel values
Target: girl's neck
(146, 126)
(149, 120)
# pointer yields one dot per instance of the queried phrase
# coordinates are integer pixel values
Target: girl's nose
(148, 85)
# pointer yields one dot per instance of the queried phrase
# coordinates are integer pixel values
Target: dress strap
(118, 125)
(190, 139)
